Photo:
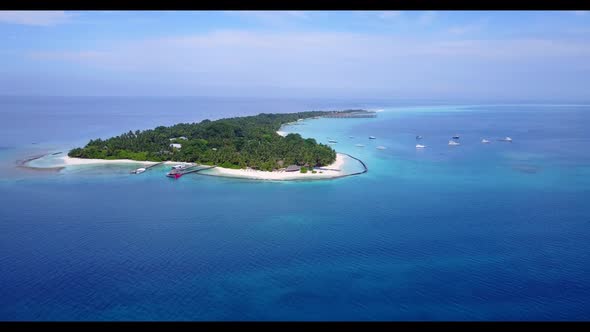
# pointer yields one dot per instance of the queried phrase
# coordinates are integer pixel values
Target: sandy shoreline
(69, 161)
(330, 171)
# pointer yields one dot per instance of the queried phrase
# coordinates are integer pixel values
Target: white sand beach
(330, 171)
(282, 133)
(69, 161)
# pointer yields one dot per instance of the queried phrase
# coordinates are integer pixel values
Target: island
(252, 144)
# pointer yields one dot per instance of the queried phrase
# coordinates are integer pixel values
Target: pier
(178, 173)
(143, 169)
(154, 165)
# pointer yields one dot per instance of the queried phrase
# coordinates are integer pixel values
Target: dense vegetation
(239, 142)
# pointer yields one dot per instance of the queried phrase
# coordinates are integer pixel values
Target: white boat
(372, 137)
(381, 147)
(420, 146)
(179, 167)
(454, 143)
(332, 141)
(138, 171)
(485, 141)
(506, 139)
(359, 145)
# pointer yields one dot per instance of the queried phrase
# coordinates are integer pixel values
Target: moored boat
(138, 171)
(174, 173)
(451, 142)
(485, 141)
(420, 146)
(372, 137)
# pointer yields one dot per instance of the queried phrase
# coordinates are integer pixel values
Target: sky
(452, 55)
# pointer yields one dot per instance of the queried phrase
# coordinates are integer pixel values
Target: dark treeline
(238, 142)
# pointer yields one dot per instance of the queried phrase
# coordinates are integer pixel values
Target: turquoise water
(471, 232)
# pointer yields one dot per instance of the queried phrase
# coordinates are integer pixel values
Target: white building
(175, 145)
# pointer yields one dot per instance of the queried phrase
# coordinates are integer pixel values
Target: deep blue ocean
(497, 231)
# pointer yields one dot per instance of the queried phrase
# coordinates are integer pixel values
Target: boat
(359, 145)
(381, 147)
(451, 142)
(420, 146)
(138, 171)
(332, 141)
(350, 136)
(179, 167)
(506, 139)
(174, 173)
(372, 137)
(456, 137)
(418, 137)
(485, 141)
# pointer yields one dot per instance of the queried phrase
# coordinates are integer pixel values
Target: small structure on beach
(292, 168)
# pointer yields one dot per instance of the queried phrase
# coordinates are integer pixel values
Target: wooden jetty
(176, 173)
(143, 169)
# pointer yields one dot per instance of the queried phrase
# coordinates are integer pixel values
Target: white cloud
(390, 14)
(297, 14)
(247, 51)
(277, 18)
(468, 28)
(314, 60)
(37, 18)
(427, 17)
(69, 56)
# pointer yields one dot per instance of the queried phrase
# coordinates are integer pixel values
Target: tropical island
(251, 142)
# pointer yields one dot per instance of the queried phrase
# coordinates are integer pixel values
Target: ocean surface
(497, 231)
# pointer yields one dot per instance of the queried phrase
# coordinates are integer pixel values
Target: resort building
(175, 145)
(292, 168)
